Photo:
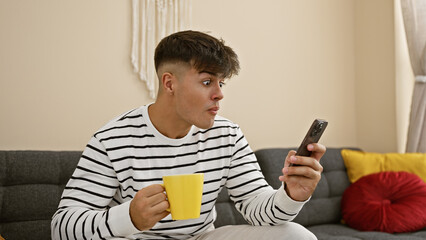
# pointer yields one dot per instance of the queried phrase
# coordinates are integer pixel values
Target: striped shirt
(128, 154)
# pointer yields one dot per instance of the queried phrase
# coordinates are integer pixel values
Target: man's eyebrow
(211, 73)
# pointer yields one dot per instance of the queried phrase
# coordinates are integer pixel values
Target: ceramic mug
(184, 193)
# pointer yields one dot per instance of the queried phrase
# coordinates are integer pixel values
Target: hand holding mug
(180, 195)
(148, 207)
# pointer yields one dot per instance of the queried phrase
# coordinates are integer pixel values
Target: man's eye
(207, 82)
(221, 84)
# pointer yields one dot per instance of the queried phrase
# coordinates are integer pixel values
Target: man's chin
(205, 125)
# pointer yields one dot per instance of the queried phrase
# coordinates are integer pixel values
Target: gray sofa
(31, 183)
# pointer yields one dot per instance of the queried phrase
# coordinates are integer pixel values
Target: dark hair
(200, 50)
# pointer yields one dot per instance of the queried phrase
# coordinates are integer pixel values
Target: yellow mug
(184, 193)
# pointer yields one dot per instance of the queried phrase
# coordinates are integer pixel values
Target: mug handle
(168, 209)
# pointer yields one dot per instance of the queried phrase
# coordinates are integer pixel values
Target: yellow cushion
(359, 164)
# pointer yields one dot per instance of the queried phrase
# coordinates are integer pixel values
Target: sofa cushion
(343, 232)
(359, 163)
(226, 211)
(387, 202)
(31, 184)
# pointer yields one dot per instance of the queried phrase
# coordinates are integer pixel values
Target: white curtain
(152, 21)
(414, 14)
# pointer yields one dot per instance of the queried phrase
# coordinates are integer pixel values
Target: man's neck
(166, 121)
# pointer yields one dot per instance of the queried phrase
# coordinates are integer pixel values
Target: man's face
(197, 96)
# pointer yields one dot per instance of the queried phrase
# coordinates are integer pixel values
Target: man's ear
(167, 82)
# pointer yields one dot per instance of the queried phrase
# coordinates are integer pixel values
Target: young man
(115, 191)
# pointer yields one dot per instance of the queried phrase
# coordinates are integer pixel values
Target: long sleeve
(87, 209)
(254, 198)
(129, 154)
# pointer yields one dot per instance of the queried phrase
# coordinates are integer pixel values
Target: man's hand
(148, 207)
(301, 181)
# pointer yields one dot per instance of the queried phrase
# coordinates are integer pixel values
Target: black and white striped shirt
(128, 154)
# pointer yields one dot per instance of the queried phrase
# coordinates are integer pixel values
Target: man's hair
(200, 50)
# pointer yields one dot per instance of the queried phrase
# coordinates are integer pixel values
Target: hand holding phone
(312, 136)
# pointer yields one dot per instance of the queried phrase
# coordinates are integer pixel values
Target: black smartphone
(312, 136)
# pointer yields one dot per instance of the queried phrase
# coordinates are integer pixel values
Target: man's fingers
(317, 150)
(152, 190)
(307, 172)
(306, 161)
(157, 199)
(148, 207)
(153, 195)
(287, 159)
(160, 207)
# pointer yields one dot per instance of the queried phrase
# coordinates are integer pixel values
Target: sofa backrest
(324, 206)
(31, 184)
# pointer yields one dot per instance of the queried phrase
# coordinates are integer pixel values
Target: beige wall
(297, 64)
(65, 70)
(375, 75)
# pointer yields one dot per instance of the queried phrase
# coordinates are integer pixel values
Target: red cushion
(387, 202)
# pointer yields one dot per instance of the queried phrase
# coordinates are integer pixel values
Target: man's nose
(217, 94)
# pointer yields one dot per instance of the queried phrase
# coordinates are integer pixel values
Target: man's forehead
(182, 67)
(207, 72)
(211, 73)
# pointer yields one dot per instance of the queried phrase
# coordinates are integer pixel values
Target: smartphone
(312, 136)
